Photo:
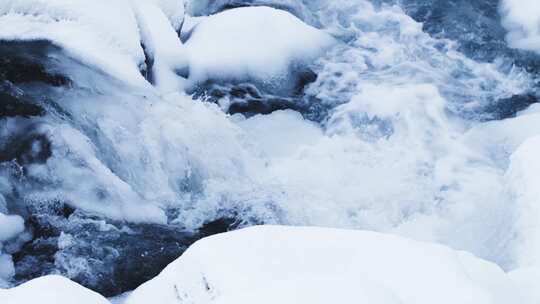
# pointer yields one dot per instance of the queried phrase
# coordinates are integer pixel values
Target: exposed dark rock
(250, 99)
(29, 61)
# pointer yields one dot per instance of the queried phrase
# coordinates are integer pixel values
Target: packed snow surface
(272, 264)
(50, 290)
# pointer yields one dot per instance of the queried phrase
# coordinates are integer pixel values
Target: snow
(50, 290)
(208, 7)
(252, 43)
(272, 264)
(10, 226)
(99, 33)
(523, 180)
(395, 152)
(175, 11)
(163, 45)
(526, 280)
(521, 18)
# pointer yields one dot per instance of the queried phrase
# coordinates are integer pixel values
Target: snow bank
(101, 33)
(270, 264)
(522, 20)
(50, 290)
(253, 43)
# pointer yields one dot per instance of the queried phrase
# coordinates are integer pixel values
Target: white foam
(522, 20)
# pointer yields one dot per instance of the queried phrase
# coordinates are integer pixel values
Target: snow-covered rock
(50, 290)
(208, 7)
(101, 33)
(260, 44)
(271, 264)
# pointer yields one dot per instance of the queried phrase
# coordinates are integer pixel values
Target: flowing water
(115, 181)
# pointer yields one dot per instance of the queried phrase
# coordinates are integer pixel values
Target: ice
(271, 264)
(522, 20)
(50, 290)
(221, 47)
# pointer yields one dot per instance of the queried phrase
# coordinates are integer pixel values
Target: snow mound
(50, 290)
(252, 43)
(522, 20)
(271, 264)
(208, 7)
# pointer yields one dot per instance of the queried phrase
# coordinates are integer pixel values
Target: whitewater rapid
(357, 118)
